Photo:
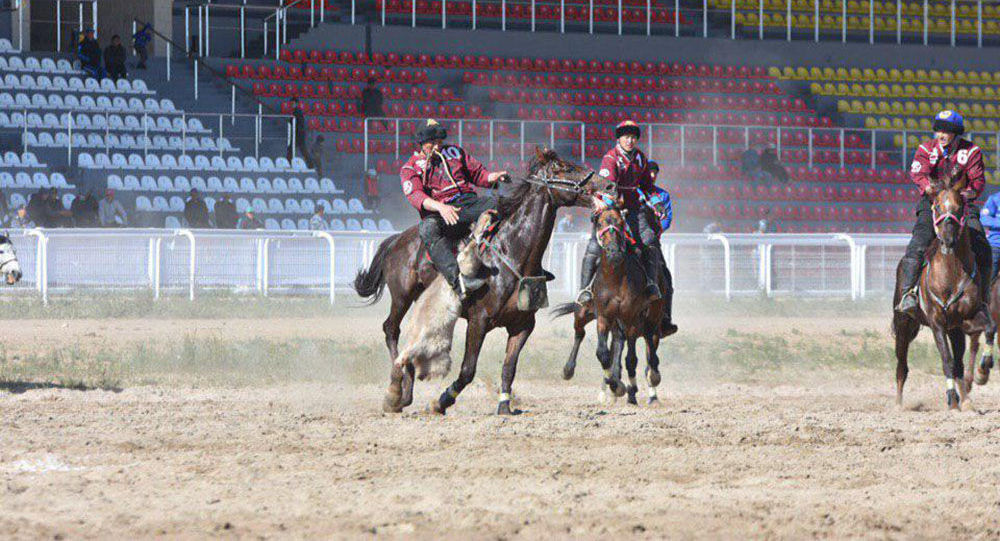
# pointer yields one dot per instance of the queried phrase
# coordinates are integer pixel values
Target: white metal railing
(190, 261)
(949, 22)
(679, 138)
(527, 133)
(77, 18)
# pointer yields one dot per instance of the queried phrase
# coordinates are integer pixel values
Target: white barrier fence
(190, 263)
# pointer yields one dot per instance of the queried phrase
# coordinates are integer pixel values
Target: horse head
(948, 209)
(570, 184)
(609, 228)
(9, 266)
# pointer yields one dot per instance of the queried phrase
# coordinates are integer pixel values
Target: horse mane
(508, 204)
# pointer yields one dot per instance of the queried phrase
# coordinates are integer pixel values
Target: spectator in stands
(712, 228)
(371, 190)
(20, 220)
(225, 213)
(114, 58)
(84, 209)
(316, 153)
(249, 221)
(4, 211)
(38, 208)
(764, 225)
(749, 164)
(89, 54)
(371, 101)
(990, 218)
(59, 215)
(196, 211)
(139, 41)
(300, 135)
(770, 165)
(318, 220)
(110, 211)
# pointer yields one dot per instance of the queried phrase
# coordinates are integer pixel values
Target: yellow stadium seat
(991, 125)
(924, 108)
(881, 75)
(884, 124)
(815, 74)
(829, 74)
(883, 90)
(843, 74)
(934, 76)
(895, 75)
(843, 106)
(857, 107)
(908, 76)
(897, 140)
(895, 108)
(924, 125)
(986, 77)
(829, 89)
(816, 88)
(775, 72)
(910, 90)
(870, 90)
(911, 108)
(936, 91)
(921, 76)
(871, 123)
(990, 110)
(989, 93)
(975, 92)
(855, 75)
(853, 6)
(975, 110)
(897, 124)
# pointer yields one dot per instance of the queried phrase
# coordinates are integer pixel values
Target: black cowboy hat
(627, 127)
(431, 132)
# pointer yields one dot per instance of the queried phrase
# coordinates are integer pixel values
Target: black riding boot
(911, 274)
(587, 271)
(652, 259)
(667, 326)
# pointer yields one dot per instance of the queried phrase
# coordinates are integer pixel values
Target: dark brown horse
(950, 296)
(528, 216)
(982, 369)
(621, 309)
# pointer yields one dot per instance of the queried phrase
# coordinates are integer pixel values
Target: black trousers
(439, 237)
(923, 234)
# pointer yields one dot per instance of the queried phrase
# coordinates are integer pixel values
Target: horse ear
(540, 152)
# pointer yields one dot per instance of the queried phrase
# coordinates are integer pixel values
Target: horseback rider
(438, 181)
(659, 204)
(934, 158)
(626, 167)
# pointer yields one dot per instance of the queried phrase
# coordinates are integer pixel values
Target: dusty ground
(810, 449)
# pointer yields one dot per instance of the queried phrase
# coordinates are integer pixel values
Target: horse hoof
(631, 395)
(435, 407)
(568, 371)
(392, 404)
(982, 376)
(504, 409)
(953, 401)
(654, 402)
(619, 390)
(653, 376)
(668, 330)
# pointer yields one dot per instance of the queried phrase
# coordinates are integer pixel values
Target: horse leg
(604, 357)
(400, 392)
(906, 330)
(652, 364)
(474, 335)
(947, 366)
(957, 339)
(617, 346)
(517, 336)
(970, 366)
(580, 321)
(631, 360)
(981, 324)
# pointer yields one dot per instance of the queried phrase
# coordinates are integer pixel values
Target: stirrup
(909, 302)
(585, 292)
(467, 285)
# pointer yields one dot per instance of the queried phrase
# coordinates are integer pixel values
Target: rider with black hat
(438, 181)
(628, 170)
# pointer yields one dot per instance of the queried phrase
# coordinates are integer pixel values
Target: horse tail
(370, 283)
(564, 309)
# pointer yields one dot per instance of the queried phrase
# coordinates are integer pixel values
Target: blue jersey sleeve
(989, 215)
(668, 211)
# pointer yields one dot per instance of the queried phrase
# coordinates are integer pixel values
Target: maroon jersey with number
(627, 173)
(932, 161)
(442, 177)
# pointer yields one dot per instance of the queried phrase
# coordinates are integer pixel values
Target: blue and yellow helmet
(949, 122)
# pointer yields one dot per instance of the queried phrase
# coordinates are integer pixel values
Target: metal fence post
(333, 261)
(952, 23)
(191, 260)
(843, 21)
(816, 20)
(726, 261)
(925, 22)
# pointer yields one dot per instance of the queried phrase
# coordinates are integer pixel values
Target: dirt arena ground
(771, 426)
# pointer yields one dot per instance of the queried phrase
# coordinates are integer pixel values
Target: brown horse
(527, 219)
(950, 296)
(621, 308)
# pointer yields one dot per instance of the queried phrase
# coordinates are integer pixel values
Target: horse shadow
(21, 387)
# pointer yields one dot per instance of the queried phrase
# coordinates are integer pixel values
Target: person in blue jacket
(658, 201)
(990, 218)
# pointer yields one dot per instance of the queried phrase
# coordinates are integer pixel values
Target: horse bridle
(10, 258)
(948, 215)
(610, 227)
(558, 183)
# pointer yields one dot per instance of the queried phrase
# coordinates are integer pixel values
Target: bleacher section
(746, 106)
(122, 134)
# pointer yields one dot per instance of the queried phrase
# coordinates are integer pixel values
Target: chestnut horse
(528, 217)
(621, 308)
(950, 296)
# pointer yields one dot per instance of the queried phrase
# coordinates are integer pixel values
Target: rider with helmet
(662, 208)
(934, 159)
(628, 170)
(438, 181)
